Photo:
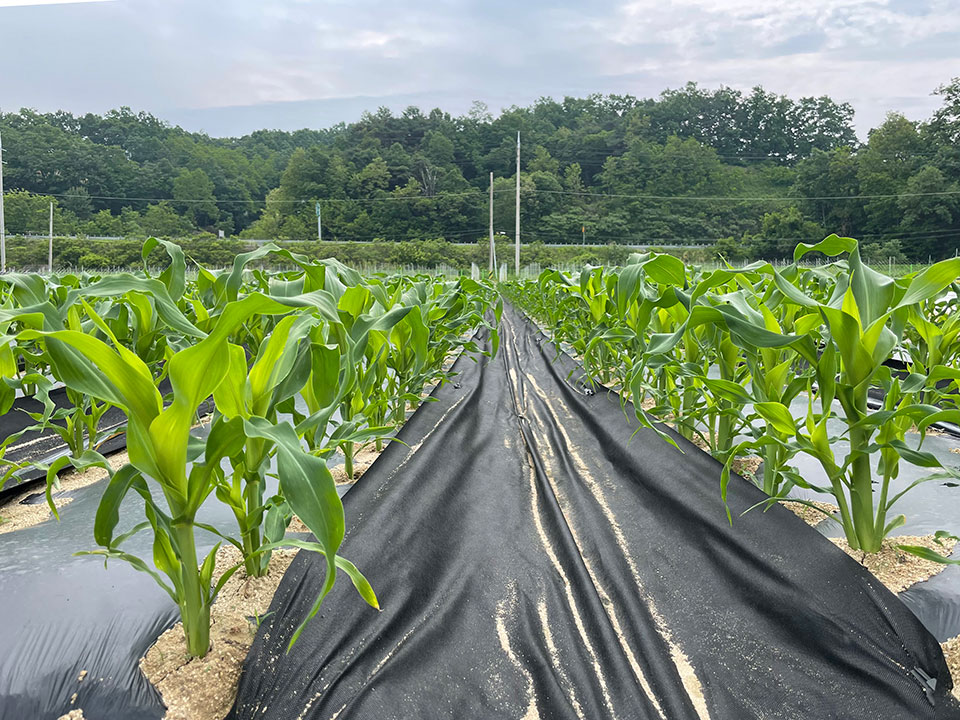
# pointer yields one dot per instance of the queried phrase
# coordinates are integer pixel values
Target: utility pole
(492, 252)
(583, 232)
(319, 226)
(50, 248)
(3, 228)
(517, 232)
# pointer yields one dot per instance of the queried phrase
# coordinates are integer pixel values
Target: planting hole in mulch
(895, 568)
(205, 688)
(811, 515)
(362, 460)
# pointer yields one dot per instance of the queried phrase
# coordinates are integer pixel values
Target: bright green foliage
(723, 354)
(255, 343)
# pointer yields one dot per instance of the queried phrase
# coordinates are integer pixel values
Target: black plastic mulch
(534, 561)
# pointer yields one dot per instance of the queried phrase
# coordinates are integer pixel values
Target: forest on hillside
(750, 173)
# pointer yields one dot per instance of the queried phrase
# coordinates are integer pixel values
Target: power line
(441, 196)
(733, 198)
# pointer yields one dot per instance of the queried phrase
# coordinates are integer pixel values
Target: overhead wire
(737, 198)
(401, 198)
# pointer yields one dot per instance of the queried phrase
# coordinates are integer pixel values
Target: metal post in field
(517, 233)
(319, 226)
(50, 247)
(492, 251)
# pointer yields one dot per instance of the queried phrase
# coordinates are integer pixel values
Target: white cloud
(23, 3)
(879, 55)
(165, 54)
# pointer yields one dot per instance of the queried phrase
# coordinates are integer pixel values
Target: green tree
(831, 175)
(894, 153)
(26, 213)
(77, 200)
(929, 208)
(163, 221)
(780, 232)
(193, 195)
(104, 224)
(945, 123)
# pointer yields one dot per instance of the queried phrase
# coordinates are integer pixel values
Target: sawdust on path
(896, 568)
(205, 688)
(811, 515)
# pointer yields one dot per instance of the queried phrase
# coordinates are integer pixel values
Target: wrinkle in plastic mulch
(533, 561)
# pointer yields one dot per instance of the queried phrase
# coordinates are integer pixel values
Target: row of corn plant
(725, 355)
(255, 343)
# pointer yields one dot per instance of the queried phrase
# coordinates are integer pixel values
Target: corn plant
(724, 354)
(255, 342)
(861, 323)
(8, 385)
(163, 452)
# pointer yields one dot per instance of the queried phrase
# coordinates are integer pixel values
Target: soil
(746, 466)
(15, 516)
(205, 688)
(808, 514)
(362, 460)
(72, 715)
(361, 463)
(895, 568)
(951, 652)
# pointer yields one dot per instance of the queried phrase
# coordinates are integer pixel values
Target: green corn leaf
(915, 457)
(727, 390)
(832, 245)
(778, 415)
(931, 282)
(874, 291)
(941, 416)
(173, 277)
(928, 554)
(108, 511)
(310, 491)
(232, 396)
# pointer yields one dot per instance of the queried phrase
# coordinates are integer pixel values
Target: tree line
(750, 174)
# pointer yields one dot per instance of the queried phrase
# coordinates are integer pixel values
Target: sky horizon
(230, 70)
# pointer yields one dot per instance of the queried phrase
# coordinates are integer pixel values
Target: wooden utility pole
(517, 231)
(492, 251)
(3, 228)
(50, 248)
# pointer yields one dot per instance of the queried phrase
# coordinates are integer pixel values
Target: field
(727, 353)
(249, 399)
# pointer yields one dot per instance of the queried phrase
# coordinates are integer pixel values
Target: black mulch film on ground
(534, 561)
(36, 446)
(72, 632)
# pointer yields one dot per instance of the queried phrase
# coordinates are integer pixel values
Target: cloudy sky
(231, 66)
